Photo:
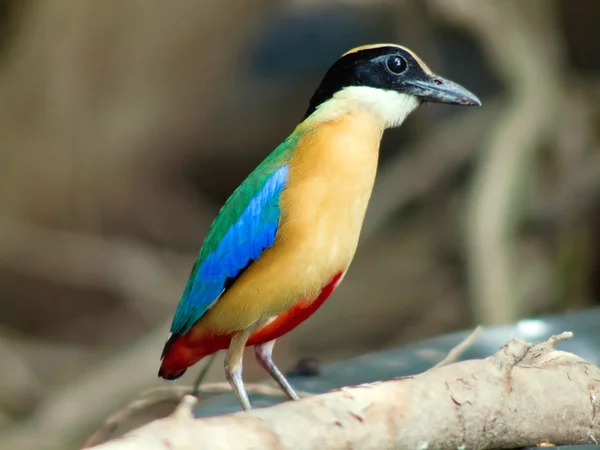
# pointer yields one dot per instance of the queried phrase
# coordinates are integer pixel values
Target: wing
(246, 225)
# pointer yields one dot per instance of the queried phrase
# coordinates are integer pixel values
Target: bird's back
(246, 225)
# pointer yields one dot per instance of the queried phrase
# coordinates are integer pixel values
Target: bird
(285, 238)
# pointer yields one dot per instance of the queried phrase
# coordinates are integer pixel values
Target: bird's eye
(396, 64)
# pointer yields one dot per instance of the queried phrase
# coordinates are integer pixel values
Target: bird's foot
(263, 354)
(234, 377)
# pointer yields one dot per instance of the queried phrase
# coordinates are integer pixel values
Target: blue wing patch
(244, 242)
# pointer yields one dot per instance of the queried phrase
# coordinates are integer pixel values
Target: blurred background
(125, 125)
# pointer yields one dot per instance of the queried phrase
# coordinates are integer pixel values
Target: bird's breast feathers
(329, 182)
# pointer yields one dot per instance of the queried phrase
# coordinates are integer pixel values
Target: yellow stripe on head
(371, 46)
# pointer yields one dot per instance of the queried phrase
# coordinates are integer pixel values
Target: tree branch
(174, 394)
(497, 402)
(455, 353)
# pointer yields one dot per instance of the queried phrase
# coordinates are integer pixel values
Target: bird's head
(388, 80)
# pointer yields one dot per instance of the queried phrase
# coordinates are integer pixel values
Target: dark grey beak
(440, 90)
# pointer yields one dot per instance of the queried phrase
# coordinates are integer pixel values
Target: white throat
(390, 106)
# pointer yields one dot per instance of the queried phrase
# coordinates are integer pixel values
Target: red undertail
(181, 352)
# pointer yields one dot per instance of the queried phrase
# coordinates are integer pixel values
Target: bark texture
(523, 395)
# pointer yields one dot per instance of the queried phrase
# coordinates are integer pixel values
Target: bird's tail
(169, 375)
(170, 371)
(183, 351)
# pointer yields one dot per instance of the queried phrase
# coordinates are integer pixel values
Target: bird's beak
(439, 90)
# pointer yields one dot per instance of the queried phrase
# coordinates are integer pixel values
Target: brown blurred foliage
(124, 125)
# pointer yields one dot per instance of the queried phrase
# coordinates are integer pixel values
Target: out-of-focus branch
(533, 85)
(80, 405)
(311, 4)
(143, 276)
(137, 273)
(576, 195)
(577, 188)
(433, 160)
(19, 385)
(497, 402)
(100, 103)
(53, 361)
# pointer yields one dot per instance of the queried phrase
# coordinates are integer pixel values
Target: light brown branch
(455, 353)
(173, 394)
(176, 393)
(497, 402)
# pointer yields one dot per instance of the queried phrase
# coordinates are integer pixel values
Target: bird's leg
(263, 354)
(233, 366)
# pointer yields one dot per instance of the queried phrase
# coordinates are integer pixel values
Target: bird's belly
(319, 237)
(313, 245)
(290, 319)
(324, 245)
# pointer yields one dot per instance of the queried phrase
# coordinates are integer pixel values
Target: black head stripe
(352, 69)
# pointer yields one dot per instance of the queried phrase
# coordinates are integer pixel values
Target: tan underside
(330, 182)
